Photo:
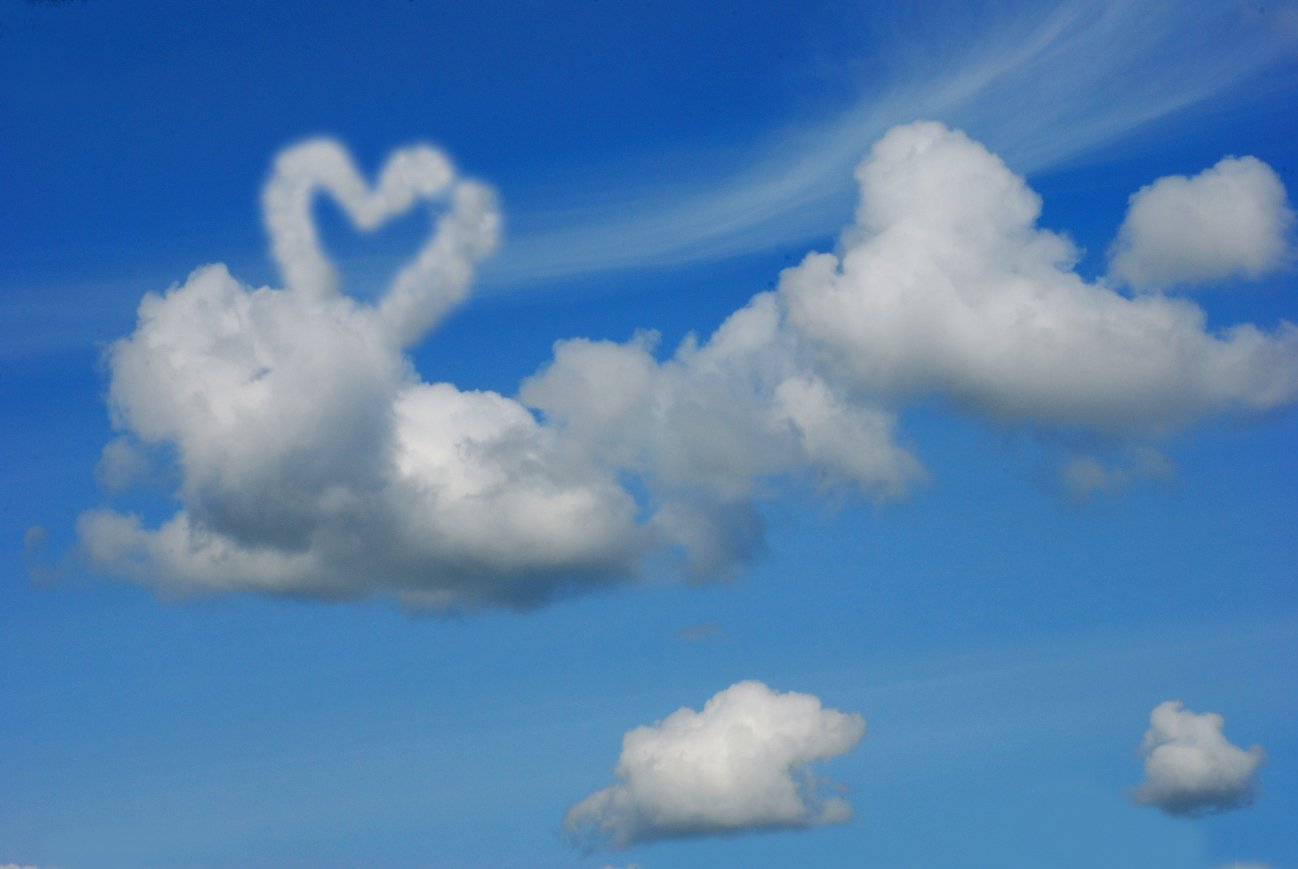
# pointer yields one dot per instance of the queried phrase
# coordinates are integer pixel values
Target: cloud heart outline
(436, 279)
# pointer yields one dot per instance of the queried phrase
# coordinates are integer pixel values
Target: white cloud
(1190, 767)
(945, 285)
(704, 428)
(1231, 220)
(439, 274)
(313, 460)
(740, 765)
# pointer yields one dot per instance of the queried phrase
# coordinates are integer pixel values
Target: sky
(606, 435)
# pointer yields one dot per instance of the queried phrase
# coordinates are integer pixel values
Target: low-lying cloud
(312, 459)
(739, 765)
(1190, 767)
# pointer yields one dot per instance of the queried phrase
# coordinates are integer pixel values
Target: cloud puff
(312, 459)
(945, 285)
(740, 765)
(1190, 768)
(1086, 475)
(705, 427)
(1227, 221)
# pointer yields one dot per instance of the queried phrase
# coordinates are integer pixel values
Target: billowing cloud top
(1190, 767)
(947, 286)
(1227, 221)
(313, 460)
(737, 766)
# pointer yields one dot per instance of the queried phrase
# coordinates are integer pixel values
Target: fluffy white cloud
(311, 459)
(945, 285)
(705, 427)
(739, 765)
(1229, 220)
(1190, 767)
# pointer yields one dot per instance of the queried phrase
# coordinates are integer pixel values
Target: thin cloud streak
(1043, 90)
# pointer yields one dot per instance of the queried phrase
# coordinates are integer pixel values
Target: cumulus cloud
(1230, 220)
(1190, 767)
(312, 459)
(739, 765)
(705, 427)
(945, 285)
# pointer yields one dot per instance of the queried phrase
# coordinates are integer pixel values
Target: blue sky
(998, 483)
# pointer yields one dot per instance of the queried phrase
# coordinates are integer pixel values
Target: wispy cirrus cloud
(1043, 84)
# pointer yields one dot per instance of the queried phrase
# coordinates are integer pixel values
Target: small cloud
(121, 464)
(1190, 767)
(701, 632)
(34, 538)
(738, 766)
(1231, 220)
(1085, 476)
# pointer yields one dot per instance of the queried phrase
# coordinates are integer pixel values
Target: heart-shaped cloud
(439, 275)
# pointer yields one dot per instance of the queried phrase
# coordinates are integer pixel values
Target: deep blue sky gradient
(1004, 643)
